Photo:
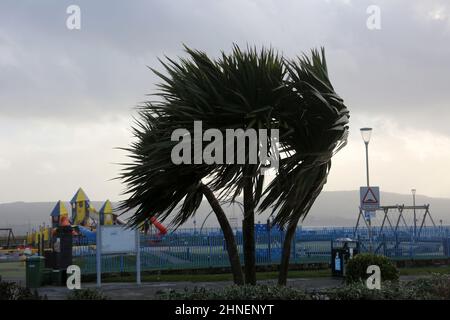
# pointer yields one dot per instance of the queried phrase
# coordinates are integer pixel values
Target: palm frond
(256, 89)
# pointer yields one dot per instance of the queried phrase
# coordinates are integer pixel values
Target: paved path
(149, 290)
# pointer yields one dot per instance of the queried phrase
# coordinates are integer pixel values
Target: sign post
(117, 240)
(369, 198)
(369, 203)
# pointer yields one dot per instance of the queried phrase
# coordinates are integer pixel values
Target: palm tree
(157, 187)
(245, 90)
(312, 129)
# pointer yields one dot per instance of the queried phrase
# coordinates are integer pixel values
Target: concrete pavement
(149, 290)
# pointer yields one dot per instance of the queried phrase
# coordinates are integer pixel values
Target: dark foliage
(12, 291)
(245, 89)
(87, 294)
(356, 269)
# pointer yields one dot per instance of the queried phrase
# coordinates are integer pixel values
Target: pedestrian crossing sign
(369, 198)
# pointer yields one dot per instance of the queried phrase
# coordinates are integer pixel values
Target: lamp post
(413, 191)
(365, 134)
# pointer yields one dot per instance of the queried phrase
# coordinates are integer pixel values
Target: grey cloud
(88, 81)
(101, 68)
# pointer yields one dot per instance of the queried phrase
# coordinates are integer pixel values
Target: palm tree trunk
(286, 253)
(318, 178)
(233, 254)
(248, 231)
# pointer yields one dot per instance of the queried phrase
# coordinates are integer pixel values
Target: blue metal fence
(189, 249)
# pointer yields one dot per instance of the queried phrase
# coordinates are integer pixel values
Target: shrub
(258, 292)
(12, 291)
(359, 291)
(433, 288)
(356, 269)
(436, 287)
(87, 294)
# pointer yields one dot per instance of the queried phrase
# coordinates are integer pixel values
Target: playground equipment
(58, 211)
(9, 241)
(85, 233)
(159, 226)
(395, 221)
(80, 204)
(146, 229)
(106, 214)
(84, 220)
(68, 234)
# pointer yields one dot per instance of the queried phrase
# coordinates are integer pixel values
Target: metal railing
(186, 249)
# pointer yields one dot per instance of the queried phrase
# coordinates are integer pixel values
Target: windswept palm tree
(247, 90)
(313, 127)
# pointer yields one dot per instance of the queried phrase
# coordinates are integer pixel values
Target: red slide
(159, 226)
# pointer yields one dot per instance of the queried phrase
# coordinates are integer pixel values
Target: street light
(366, 133)
(413, 191)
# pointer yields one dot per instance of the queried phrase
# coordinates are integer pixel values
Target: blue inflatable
(86, 233)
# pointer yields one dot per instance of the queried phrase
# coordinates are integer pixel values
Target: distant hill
(332, 208)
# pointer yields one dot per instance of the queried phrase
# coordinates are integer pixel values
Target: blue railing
(190, 249)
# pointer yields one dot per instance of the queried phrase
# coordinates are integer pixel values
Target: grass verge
(294, 274)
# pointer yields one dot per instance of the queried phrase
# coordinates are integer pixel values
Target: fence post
(397, 249)
(269, 241)
(446, 244)
(410, 247)
(210, 250)
(39, 245)
(447, 239)
(98, 255)
(293, 245)
(448, 247)
(358, 246)
(138, 257)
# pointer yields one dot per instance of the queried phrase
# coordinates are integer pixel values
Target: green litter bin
(34, 271)
(47, 276)
(59, 277)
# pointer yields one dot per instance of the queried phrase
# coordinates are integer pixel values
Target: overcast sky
(67, 96)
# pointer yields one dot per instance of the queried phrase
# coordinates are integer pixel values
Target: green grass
(12, 270)
(15, 270)
(214, 277)
(419, 271)
(295, 274)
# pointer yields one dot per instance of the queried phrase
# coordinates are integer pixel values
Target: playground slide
(94, 215)
(90, 235)
(159, 226)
